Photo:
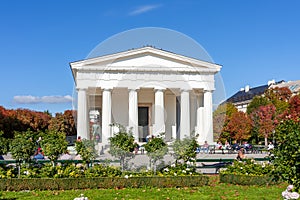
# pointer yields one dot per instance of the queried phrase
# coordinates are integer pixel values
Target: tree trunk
(122, 163)
(19, 170)
(266, 141)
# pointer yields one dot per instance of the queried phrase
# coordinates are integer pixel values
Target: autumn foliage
(263, 118)
(21, 120)
(263, 115)
(239, 126)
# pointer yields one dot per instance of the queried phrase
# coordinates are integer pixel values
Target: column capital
(159, 89)
(185, 90)
(81, 89)
(133, 89)
(107, 89)
(211, 91)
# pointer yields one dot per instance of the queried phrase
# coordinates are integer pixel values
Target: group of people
(205, 147)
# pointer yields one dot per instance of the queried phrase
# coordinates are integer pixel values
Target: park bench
(213, 150)
(217, 164)
(259, 149)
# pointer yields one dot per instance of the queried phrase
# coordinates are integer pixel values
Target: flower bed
(248, 172)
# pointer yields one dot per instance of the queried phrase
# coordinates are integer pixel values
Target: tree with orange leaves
(63, 123)
(263, 119)
(239, 126)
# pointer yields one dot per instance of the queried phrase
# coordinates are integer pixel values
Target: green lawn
(215, 190)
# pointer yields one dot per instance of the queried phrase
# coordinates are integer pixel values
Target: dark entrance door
(177, 117)
(143, 113)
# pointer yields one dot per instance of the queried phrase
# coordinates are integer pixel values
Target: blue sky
(255, 41)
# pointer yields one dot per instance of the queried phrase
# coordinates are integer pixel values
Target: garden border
(16, 184)
(247, 180)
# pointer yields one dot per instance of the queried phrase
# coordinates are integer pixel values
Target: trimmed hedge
(105, 183)
(247, 180)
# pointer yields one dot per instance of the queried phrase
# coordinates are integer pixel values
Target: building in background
(147, 89)
(242, 98)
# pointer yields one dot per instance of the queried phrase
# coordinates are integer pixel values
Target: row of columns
(203, 122)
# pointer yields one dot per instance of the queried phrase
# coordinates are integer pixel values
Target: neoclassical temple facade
(149, 90)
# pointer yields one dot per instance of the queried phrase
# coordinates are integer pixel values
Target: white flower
(187, 169)
(241, 167)
(289, 188)
(166, 169)
(175, 174)
(173, 165)
(183, 171)
(290, 195)
(191, 173)
(188, 162)
(193, 159)
(81, 197)
(130, 175)
(126, 176)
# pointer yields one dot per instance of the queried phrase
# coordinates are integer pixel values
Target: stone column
(208, 121)
(82, 115)
(106, 115)
(133, 113)
(159, 112)
(185, 130)
(200, 118)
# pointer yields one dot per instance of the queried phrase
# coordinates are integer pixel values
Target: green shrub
(86, 149)
(122, 145)
(247, 180)
(49, 171)
(179, 170)
(249, 167)
(2, 173)
(287, 153)
(185, 149)
(156, 149)
(102, 171)
(54, 144)
(105, 183)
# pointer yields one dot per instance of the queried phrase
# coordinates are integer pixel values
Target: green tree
(122, 146)
(156, 149)
(256, 102)
(185, 149)
(279, 97)
(22, 147)
(287, 153)
(3, 144)
(53, 144)
(86, 149)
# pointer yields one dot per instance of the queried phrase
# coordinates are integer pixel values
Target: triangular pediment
(146, 59)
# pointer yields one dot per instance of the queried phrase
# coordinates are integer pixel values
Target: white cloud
(143, 9)
(44, 99)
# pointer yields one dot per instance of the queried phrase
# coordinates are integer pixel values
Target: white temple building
(150, 90)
